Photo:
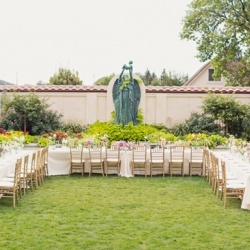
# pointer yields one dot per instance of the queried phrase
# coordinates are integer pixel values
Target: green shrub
(179, 129)
(199, 123)
(196, 123)
(73, 128)
(29, 113)
(44, 141)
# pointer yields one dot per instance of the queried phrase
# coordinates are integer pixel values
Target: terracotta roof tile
(149, 89)
(53, 88)
(193, 89)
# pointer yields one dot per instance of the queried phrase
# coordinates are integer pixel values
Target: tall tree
(65, 77)
(224, 108)
(150, 78)
(104, 80)
(29, 113)
(172, 78)
(221, 30)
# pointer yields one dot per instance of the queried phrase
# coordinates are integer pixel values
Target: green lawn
(123, 213)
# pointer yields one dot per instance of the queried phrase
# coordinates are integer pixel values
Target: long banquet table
(59, 164)
(59, 161)
(8, 162)
(240, 169)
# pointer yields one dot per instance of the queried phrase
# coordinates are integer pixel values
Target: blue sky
(93, 37)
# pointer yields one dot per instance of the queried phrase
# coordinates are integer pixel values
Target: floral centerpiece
(105, 140)
(60, 137)
(123, 145)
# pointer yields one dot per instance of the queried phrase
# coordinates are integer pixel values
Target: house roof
(2, 82)
(200, 71)
(148, 89)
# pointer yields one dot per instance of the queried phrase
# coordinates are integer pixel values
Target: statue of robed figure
(126, 96)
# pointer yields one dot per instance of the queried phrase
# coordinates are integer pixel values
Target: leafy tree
(104, 80)
(150, 78)
(29, 113)
(155, 81)
(246, 127)
(166, 79)
(200, 123)
(172, 78)
(196, 123)
(65, 77)
(221, 30)
(224, 108)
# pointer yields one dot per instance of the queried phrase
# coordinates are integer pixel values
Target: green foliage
(160, 127)
(180, 129)
(166, 79)
(199, 123)
(221, 31)
(196, 123)
(149, 78)
(225, 108)
(44, 141)
(104, 80)
(116, 132)
(30, 139)
(65, 77)
(73, 128)
(159, 135)
(150, 133)
(140, 116)
(242, 129)
(29, 113)
(11, 120)
(197, 139)
(172, 79)
(215, 140)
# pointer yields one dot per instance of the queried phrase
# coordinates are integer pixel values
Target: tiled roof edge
(149, 89)
(192, 89)
(53, 88)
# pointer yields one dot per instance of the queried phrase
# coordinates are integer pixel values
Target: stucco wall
(166, 108)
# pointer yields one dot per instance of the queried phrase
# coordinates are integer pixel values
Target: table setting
(238, 166)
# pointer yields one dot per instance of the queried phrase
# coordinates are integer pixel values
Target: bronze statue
(126, 96)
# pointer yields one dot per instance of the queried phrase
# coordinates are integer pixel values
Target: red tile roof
(193, 89)
(53, 88)
(149, 89)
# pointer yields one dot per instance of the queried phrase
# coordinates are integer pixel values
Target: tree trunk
(24, 124)
(226, 128)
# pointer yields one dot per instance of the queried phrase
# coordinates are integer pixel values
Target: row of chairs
(224, 185)
(109, 161)
(30, 172)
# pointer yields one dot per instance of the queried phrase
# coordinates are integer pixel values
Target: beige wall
(158, 108)
(84, 108)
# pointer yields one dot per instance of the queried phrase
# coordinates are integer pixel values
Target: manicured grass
(123, 213)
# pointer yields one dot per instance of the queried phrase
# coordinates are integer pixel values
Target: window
(210, 76)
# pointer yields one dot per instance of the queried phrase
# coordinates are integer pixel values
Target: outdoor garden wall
(160, 105)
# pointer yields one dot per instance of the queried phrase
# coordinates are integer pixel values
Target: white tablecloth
(8, 162)
(59, 161)
(240, 169)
